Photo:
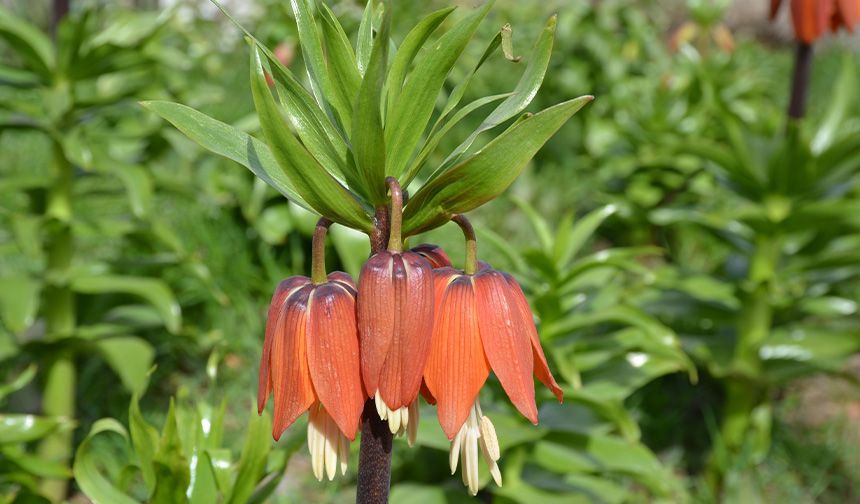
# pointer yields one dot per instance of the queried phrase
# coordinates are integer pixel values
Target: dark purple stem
(800, 81)
(374, 456)
(60, 10)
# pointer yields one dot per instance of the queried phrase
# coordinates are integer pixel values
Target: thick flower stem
(395, 239)
(800, 81)
(471, 264)
(318, 274)
(58, 399)
(374, 456)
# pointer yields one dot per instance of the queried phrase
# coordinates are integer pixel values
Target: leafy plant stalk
(745, 390)
(59, 390)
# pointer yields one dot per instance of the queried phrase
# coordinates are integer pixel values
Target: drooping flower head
(395, 320)
(482, 323)
(813, 18)
(311, 361)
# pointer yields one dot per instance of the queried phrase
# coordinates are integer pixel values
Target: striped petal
(400, 377)
(541, 368)
(375, 317)
(434, 255)
(457, 367)
(276, 308)
(332, 339)
(506, 340)
(291, 379)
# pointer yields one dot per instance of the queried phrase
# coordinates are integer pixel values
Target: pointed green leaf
(316, 131)
(322, 192)
(409, 115)
(88, 475)
(220, 462)
(323, 81)
(407, 51)
(172, 475)
(490, 171)
(368, 141)
(364, 44)
(153, 290)
(523, 93)
(227, 141)
(339, 53)
(138, 186)
(144, 438)
(570, 242)
(131, 359)
(29, 43)
(436, 136)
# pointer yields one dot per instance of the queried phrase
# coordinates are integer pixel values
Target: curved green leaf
(227, 141)
(322, 191)
(323, 82)
(407, 51)
(144, 438)
(490, 171)
(88, 476)
(252, 462)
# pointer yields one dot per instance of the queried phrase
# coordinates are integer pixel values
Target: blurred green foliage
(688, 256)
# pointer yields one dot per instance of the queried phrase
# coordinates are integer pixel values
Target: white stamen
(328, 446)
(414, 419)
(476, 431)
(398, 420)
(331, 441)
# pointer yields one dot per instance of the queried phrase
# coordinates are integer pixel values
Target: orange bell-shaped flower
(395, 320)
(482, 322)
(812, 18)
(311, 363)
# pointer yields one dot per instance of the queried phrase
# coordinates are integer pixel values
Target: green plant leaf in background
(154, 291)
(252, 463)
(131, 358)
(88, 475)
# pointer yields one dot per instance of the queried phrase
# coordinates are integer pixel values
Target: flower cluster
(414, 326)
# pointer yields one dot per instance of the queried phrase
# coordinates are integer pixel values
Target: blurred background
(691, 255)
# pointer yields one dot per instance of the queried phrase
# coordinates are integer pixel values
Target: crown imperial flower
(812, 18)
(482, 322)
(310, 362)
(395, 319)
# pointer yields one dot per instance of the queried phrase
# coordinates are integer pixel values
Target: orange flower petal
(400, 377)
(332, 339)
(375, 317)
(809, 18)
(344, 278)
(847, 14)
(506, 340)
(291, 378)
(457, 367)
(541, 370)
(434, 255)
(276, 307)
